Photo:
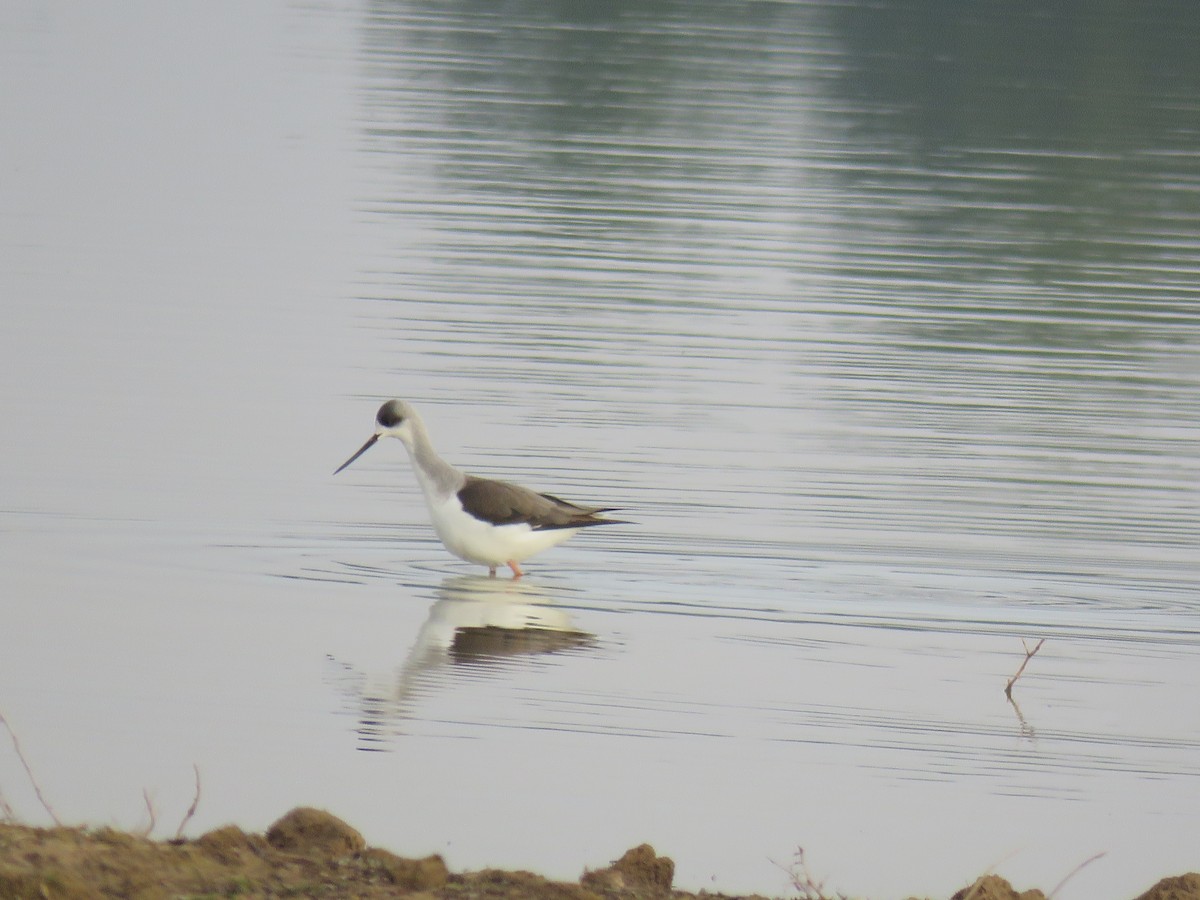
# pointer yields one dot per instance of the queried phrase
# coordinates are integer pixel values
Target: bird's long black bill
(361, 450)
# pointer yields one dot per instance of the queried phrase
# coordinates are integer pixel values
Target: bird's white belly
(490, 545)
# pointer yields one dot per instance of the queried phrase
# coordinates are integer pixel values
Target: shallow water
(885, 334)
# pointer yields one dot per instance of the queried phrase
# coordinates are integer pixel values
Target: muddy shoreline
(310, 853)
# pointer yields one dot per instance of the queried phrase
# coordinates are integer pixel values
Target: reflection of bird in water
(483, 521)
(477, 620)
(478, 625)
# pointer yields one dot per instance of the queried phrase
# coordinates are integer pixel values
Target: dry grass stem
(29, 772)
(149, 809)
(1028, 656)
(1075, 871)
(187, 817)
(9, 815)
(803, 881)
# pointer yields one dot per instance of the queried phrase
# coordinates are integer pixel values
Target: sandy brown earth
(309, 853)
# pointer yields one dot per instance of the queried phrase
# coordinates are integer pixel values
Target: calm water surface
(882, 322)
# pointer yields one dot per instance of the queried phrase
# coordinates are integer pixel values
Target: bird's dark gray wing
(503, 503)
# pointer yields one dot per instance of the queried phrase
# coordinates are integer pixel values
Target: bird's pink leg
(517, 573)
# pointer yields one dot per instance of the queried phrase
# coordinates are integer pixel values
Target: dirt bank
(309, 853)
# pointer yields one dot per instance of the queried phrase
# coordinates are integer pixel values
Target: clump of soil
(993, 887)
(1181, 887)
(309, 853)
(307, 829)
(639, 869)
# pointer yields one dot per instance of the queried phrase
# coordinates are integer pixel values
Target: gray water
(881, 322)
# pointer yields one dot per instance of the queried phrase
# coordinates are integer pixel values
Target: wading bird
(483, 521)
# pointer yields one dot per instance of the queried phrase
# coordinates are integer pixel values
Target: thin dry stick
(29, 772)
(1028, 656)
(1074, 872)
(191, 809)
(150, 809)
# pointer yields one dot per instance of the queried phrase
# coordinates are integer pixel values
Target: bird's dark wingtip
(599, 521)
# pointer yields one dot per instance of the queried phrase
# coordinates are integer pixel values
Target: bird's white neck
(437, 477)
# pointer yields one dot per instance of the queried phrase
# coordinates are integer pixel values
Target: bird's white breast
(481, 542)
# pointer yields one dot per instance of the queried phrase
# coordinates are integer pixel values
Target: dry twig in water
(191, 809)
(1028, 656)
(28, 771)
